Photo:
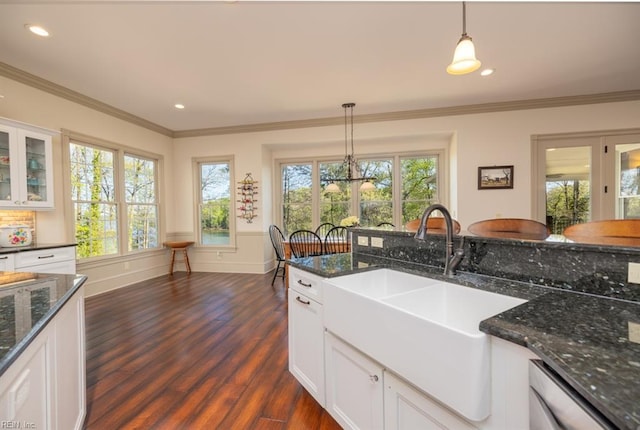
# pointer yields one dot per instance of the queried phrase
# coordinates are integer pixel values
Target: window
(113, 216)
(140, 198)
(215, 210)
(405, 185)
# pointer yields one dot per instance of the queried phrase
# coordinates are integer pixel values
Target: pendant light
(350, 164)
(464, 57)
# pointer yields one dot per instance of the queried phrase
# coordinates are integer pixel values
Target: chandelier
(350, 164)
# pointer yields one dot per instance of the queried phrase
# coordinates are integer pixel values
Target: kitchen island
(584, 338)
(42, 350)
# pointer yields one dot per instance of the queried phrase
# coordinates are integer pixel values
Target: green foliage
(568, 203)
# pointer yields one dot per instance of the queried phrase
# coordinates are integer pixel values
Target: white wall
(470, 140)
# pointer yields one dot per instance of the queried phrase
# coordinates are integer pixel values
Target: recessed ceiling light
(178, 106)
(487, 72)
(36, 29)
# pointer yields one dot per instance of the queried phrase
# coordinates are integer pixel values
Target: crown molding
(58, 90)
(620, 96)
(65, 93)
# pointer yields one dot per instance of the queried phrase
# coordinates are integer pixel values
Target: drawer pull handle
(374, 378)
(304, 302)
(303, 284)
(4, 258)
(41, 257)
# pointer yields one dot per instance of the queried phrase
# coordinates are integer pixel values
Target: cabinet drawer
(44, 256)
(306, 283)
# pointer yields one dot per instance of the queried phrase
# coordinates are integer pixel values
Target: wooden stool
(177, 246)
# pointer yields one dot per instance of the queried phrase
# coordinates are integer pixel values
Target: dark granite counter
(583, 337)
(28, 302)
(33, 247)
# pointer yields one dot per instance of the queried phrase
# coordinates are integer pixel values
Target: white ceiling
(257, 62)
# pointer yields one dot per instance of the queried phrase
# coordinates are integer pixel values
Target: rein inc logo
(17, 425)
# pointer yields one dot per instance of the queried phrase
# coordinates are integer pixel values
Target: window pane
(376, 206)
(143, 226)
(96, 229)
(93, 194)
(334, 206)
(419, 185)
(296, 197)
(215, 203)
(628, 165)
(568, 191)
(139, 180)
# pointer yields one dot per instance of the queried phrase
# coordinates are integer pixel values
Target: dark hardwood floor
(203, 351)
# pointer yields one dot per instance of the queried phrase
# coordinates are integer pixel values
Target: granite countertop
(584, 338)
(28, 302)
(33, 247)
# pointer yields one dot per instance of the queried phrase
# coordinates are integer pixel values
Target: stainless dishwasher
(554, 405)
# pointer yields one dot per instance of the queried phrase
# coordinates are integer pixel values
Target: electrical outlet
(634, 273)
(362, 265)
(376, 242)
(363, 240)
(634, 332)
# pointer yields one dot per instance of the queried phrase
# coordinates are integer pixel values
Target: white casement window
(215, 200)
(405, 185)
(114, 196)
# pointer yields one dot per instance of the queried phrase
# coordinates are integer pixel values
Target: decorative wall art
(495, 177)
(247, 192)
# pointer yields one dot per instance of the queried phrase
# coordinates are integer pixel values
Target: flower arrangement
(350, 221)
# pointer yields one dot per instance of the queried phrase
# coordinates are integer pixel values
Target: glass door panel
(36, 168)
(628, 181)
(5, 166)
(568, 186)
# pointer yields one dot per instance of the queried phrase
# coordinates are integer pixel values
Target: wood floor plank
(199, 351)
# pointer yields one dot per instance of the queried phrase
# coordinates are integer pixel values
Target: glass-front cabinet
(26, 174)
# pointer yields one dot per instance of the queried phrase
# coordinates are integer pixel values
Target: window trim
(443, 179)
(195, 168)
(119, 150)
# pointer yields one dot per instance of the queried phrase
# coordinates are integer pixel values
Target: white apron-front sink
(423, 329)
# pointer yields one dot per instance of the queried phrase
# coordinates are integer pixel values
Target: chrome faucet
(452, 258)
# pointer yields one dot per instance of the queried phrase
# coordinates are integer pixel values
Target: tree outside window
(296, 197)
(419, 185)
(140, 197)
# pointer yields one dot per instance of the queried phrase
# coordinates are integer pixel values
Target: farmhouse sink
(423, 329)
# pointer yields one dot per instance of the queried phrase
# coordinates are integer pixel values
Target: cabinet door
(354, 386)
(25, 389)
(36, 184)
(406, 408)
(306, 344)
(9, 165)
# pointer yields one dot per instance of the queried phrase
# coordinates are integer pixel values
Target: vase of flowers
(350, 221)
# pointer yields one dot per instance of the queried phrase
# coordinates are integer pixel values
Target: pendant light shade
(464, 57)
(332, 188)
(367, 186)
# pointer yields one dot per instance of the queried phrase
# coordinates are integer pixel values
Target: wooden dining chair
(277, 240)
(621, 232)
(336, 240)
(435, 224)
(513, 228)
(323, 229)
(305, 243)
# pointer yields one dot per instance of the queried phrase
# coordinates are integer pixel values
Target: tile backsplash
(13, 217)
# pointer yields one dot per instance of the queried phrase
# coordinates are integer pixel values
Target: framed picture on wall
(495, 177)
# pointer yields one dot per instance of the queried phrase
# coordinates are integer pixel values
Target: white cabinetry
(44, 388)
(26, 166)
(6, 262)
(406, 408)
(306, 339)
(354, 386)
(51, 260)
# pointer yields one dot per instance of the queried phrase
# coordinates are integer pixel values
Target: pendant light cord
(464, 18)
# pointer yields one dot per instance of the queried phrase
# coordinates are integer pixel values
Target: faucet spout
(452, 258)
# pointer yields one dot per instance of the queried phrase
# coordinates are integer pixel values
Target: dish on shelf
(5, 160)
